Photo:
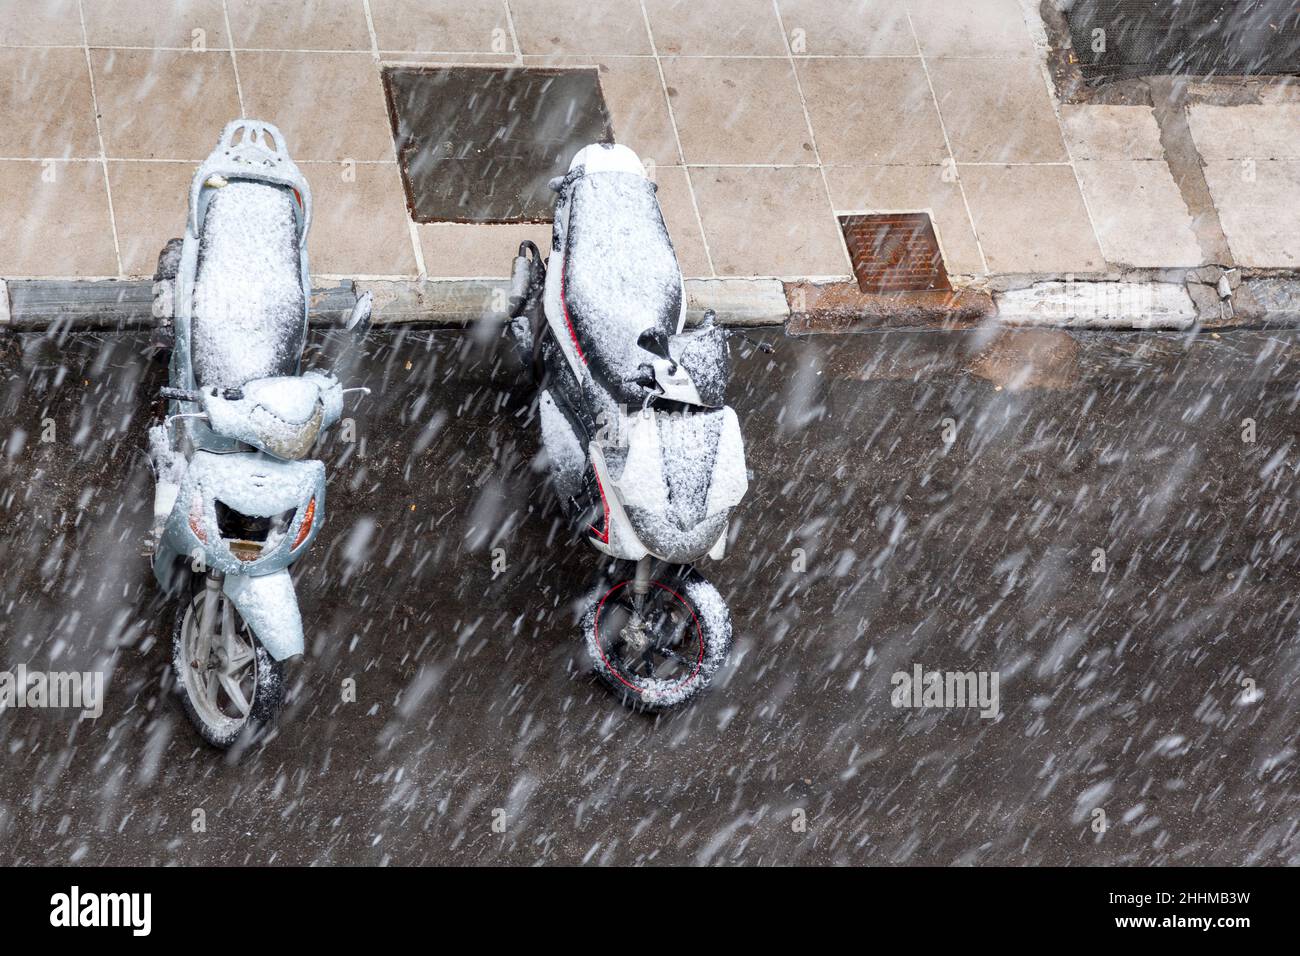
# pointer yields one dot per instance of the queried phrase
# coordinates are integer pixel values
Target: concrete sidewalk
(763, 121)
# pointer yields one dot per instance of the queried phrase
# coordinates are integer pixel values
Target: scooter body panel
(269, 606)
(252, 484)
(677, 507)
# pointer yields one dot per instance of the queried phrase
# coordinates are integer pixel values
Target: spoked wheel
(662, 651)
(227, 680)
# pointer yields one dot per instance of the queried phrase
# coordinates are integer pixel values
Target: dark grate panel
(480, 144)
(1185, 37)
(895, 252)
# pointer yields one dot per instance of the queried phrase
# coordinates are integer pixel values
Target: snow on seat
(249, 306)
(620, 274)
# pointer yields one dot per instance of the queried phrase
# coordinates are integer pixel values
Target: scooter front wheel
(663, 654)
(228, 682)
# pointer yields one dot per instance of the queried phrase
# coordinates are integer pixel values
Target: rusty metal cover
(895, 252)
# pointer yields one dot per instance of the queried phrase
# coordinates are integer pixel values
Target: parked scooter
(645, 455)
(235, 503)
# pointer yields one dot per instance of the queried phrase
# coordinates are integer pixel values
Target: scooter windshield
(249, 307)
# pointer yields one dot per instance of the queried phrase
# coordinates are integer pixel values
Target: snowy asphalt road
(1120, 690)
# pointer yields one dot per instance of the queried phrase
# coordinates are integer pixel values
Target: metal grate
(1120, 39)
(895, 252)
(480, 144)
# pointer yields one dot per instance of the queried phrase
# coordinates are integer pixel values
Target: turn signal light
(196, 519)
(305, 529)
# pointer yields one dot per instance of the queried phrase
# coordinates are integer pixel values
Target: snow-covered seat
(620, 276)
(249, 304)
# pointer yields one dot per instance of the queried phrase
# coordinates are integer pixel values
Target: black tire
(267, 683)
(672, 672)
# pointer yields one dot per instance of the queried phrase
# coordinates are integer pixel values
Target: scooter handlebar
(180, 394)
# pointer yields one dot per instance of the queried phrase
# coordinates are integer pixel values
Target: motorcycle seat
(620, 275)
(249, 308)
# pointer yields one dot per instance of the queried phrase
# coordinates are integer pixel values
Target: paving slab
(305, 24)
(1246, 131)
(287, 88)
(997, 111)
(715, 27)
(163, 104)
(787, 229)
(467, 26)
(901, 126)
(38, 85)
(970, 28)
(66, 228)
(1253, 200)
(732, 111)
(1031, 219)
(862, 28)
(1102, 131)
(1139, 213)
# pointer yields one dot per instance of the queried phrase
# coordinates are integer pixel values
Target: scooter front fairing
(669, 491)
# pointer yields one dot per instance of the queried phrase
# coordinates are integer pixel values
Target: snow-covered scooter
(646, 457)
(235, 503)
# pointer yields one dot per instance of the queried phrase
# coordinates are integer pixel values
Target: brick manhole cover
(895, 252)
(480, 144)
(1119, 39)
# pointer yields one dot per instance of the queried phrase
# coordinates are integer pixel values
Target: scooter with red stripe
(646, 456)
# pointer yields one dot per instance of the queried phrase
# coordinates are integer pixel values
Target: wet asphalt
(868, 544)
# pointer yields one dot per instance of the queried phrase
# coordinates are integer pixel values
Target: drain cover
(895, 252)
(1118, 39)
(480, 144)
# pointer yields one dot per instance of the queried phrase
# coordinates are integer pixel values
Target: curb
(1175, 299)
(36, 304)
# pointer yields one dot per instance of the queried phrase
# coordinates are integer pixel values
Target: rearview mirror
(359, 321)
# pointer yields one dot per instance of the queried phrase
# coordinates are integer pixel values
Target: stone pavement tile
(150, 202)
(847, 28)
(1258, 214)
(893, 121)
(477, 250)
(148, 23)
(769, 222)
(289, 90)
(1251, 131)
(360, 225)
(157, 104)
(299, 24)
(635, 97)
(732, 111)
(66, 229)
(47, 23)
(981, 28)
(579, 26)
(1031, 219)
(911, 189)
(1112, 132)
(715, 27)
(997, 111)
(467, 26)
(1139, 213)
(682, 222)
(46, 109)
